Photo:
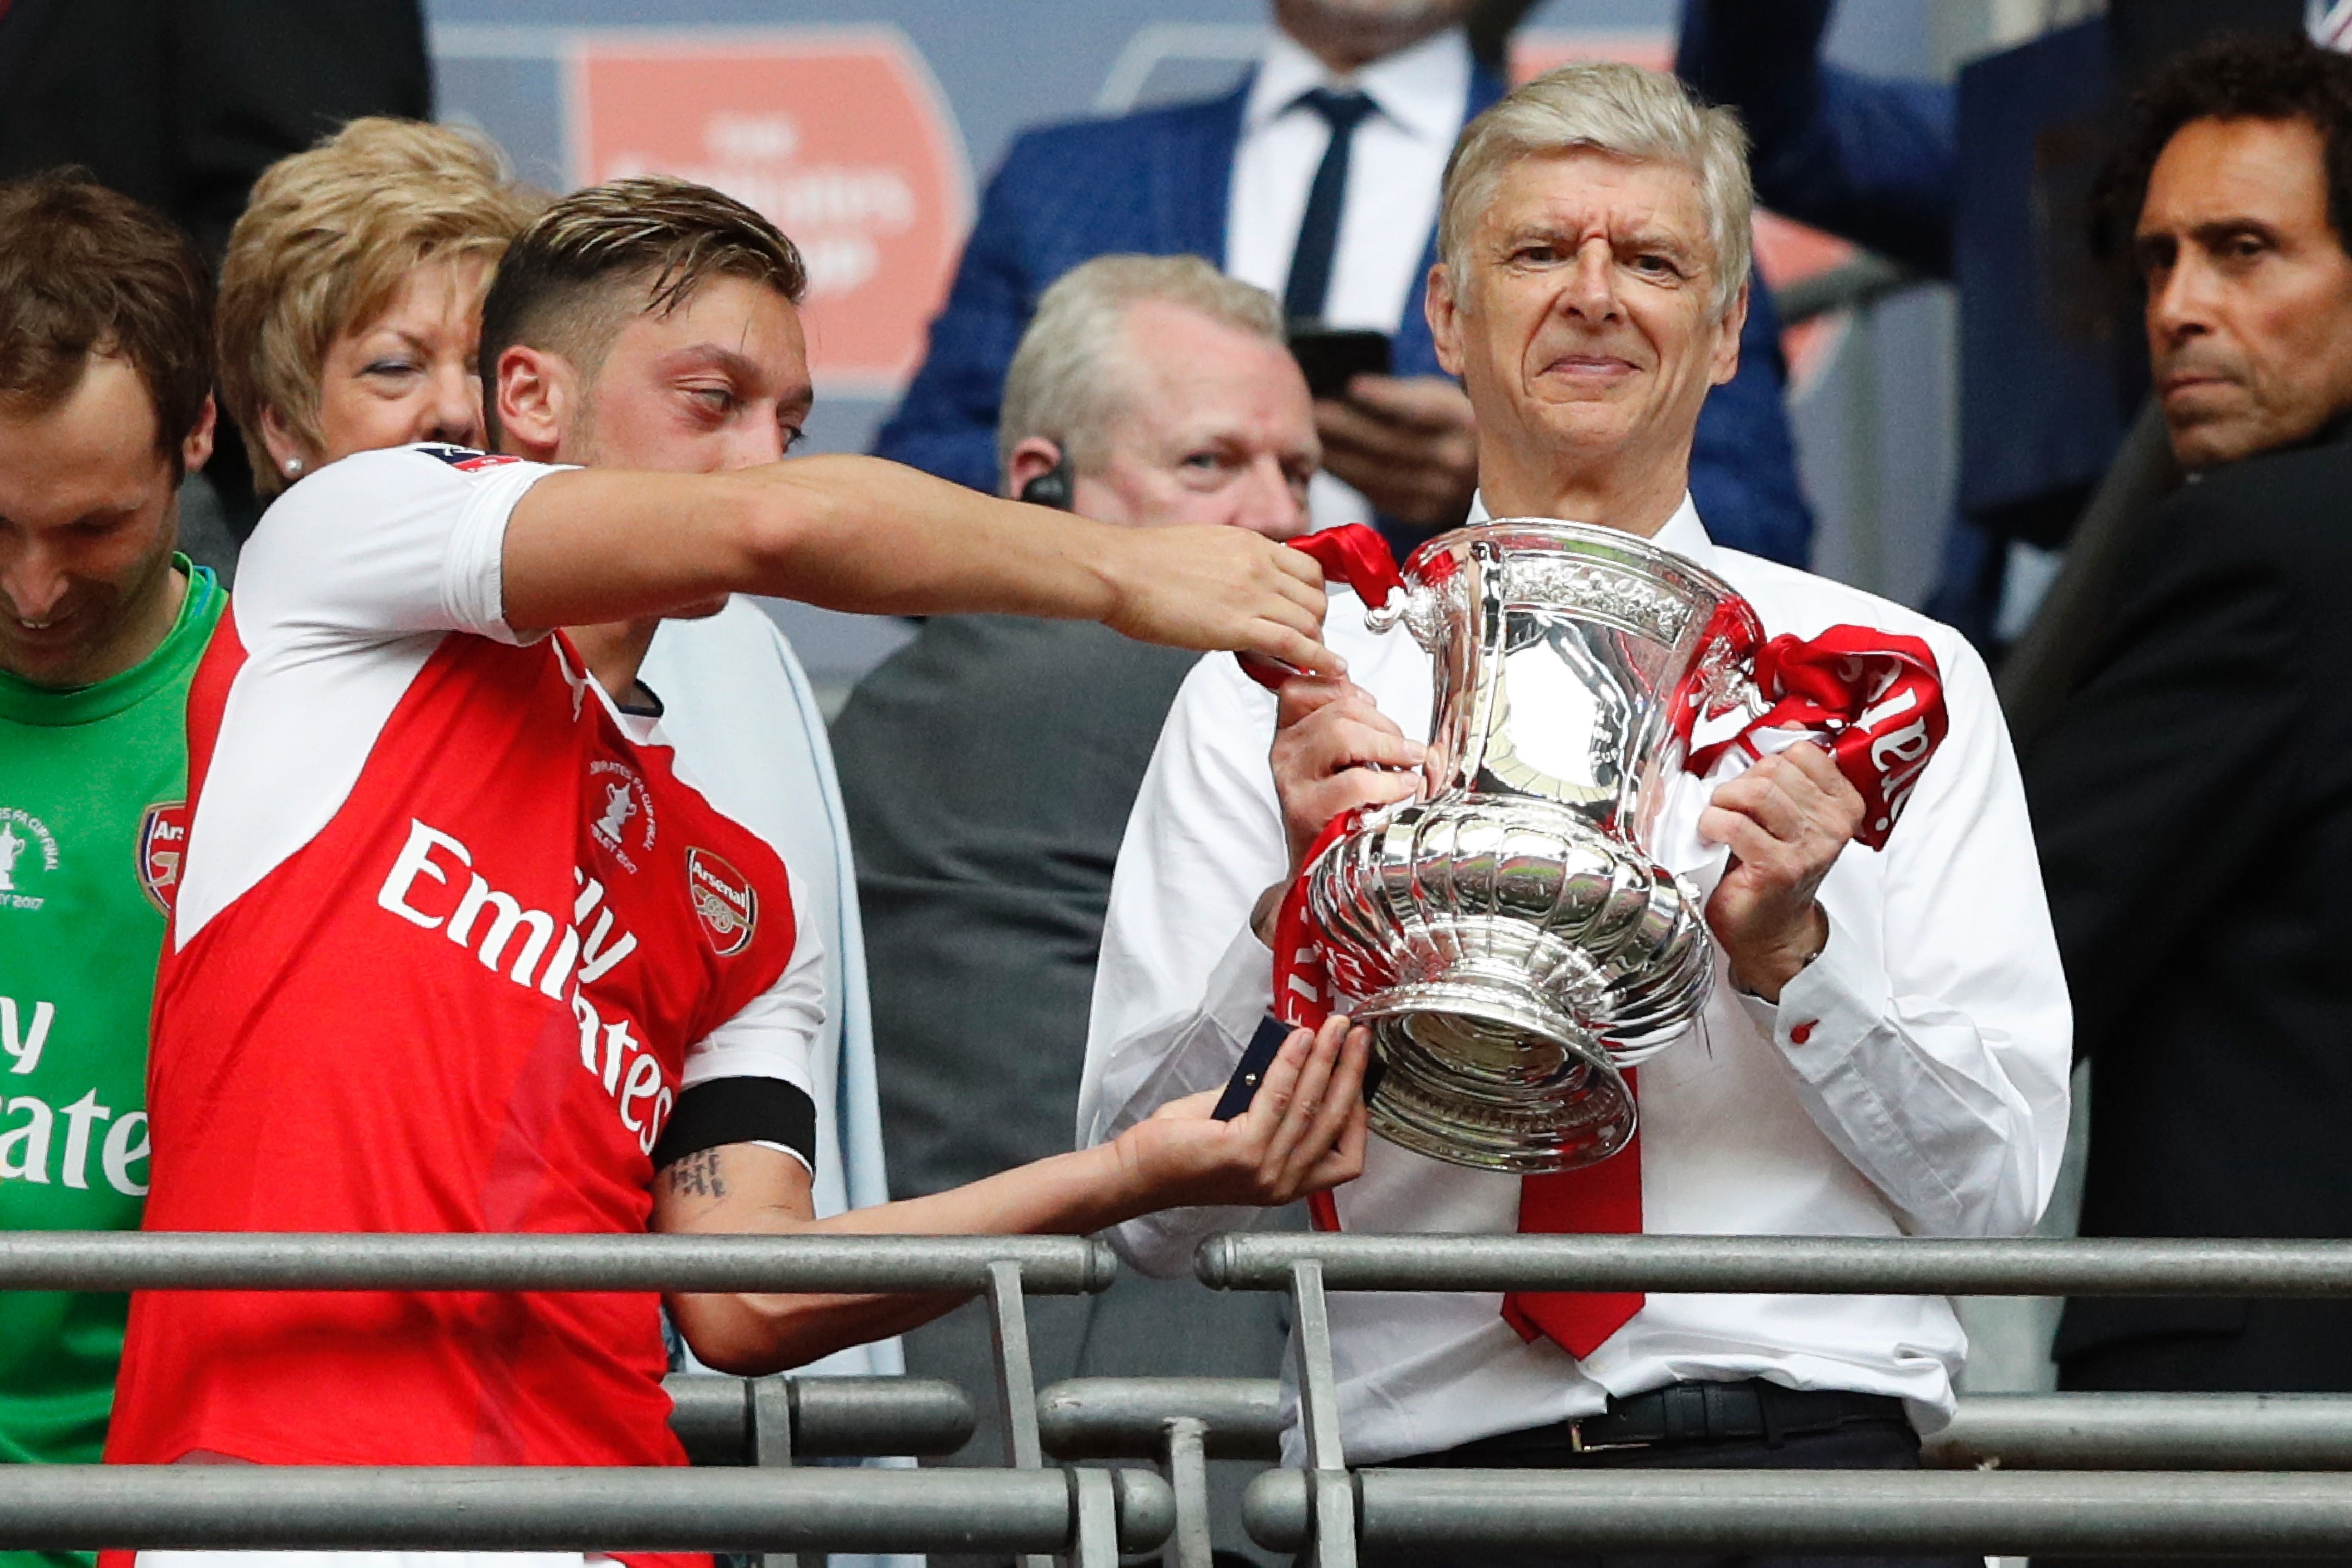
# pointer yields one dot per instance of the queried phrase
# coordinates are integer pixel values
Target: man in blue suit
(1316, 178)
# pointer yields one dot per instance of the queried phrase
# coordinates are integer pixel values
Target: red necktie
(1592, 1200)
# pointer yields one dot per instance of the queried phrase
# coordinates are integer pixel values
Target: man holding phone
(1317, 179)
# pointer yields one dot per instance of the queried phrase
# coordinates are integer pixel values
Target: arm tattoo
(697, 1176)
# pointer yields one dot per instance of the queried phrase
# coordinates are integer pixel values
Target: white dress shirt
(1928, 1097)
(1394, 168)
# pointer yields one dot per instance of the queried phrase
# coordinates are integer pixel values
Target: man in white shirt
(1884, 1051)
(1316, 178)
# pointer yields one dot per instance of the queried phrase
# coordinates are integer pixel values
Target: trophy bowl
(1509, 938)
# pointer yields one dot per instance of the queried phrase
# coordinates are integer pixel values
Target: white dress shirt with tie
(1395, 167)
(1913, 1081)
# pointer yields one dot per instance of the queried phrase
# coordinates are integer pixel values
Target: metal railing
(193, 1261)
(1182, 1421)
(772, 1420)
(2092, 1473)
(2146, 1432)
(1329, 1509)
(1089, 1515)
(1092, 1514)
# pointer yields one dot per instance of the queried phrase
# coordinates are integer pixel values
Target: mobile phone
(1242, 1088)
(1332, 356)
(1264, 1047)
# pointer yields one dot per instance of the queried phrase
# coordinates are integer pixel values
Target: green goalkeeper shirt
(92, 820)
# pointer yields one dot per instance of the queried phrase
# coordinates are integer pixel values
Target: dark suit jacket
(182, 103)
(1157, 182)
(989, 767)
(2193, 803)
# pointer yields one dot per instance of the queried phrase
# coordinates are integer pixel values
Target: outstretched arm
(1869, 160)
(861, 534)
(1304, 1132)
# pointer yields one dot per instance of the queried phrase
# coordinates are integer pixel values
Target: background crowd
(2152, 341)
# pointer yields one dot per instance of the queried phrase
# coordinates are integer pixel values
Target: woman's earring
(293, 467)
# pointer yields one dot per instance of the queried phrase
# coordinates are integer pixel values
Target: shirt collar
(1683, 533)
(1424, 88)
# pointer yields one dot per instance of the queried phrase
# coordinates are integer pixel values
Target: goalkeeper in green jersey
(105, 402)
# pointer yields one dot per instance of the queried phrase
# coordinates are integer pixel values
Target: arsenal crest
(724, 901)
(163, 837)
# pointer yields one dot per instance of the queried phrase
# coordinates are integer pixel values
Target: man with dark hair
(105, 402)
(2193, 797)
(1957, 180)
(460, 947)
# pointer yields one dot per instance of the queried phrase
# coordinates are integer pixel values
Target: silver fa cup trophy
(1512, 941)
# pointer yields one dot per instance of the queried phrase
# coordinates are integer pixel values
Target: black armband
(740, 1110)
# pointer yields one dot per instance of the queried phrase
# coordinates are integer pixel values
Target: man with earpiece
(990, 766)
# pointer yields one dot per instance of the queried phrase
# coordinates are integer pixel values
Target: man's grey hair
(1616, 108)
(1067, 382)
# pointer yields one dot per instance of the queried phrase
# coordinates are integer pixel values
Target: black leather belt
(1679, 1412)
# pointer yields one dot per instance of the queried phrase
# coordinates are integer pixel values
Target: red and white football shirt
(452, 939)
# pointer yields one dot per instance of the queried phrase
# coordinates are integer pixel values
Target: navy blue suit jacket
(1157, 182)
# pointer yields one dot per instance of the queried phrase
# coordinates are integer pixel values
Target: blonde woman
(350, 296)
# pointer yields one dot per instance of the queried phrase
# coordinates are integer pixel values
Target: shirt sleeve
(385, 544)
(1930, 1040)
(1182, 982)
(1869, 159)
(750, 1081)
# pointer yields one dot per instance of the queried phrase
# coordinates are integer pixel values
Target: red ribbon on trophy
(1876, 700)
(1875, 697)
(1353, 555)
(1303, 997)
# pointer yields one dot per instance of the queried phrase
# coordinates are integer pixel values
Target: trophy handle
(1415, 604)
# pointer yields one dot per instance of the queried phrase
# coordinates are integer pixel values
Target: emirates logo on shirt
(724, 901)
(163, 837)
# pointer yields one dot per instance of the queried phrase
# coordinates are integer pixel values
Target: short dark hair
(86, 271)
(641, 246)
(2230, 78)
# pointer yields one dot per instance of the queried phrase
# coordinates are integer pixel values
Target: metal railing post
(1016, 1378)
(1189, 1545)
(768, 1406)
(1334, 1490)
(1098, 1522)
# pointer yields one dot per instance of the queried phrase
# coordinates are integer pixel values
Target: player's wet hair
(628, 248)
(86, 271)
(327, 241)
